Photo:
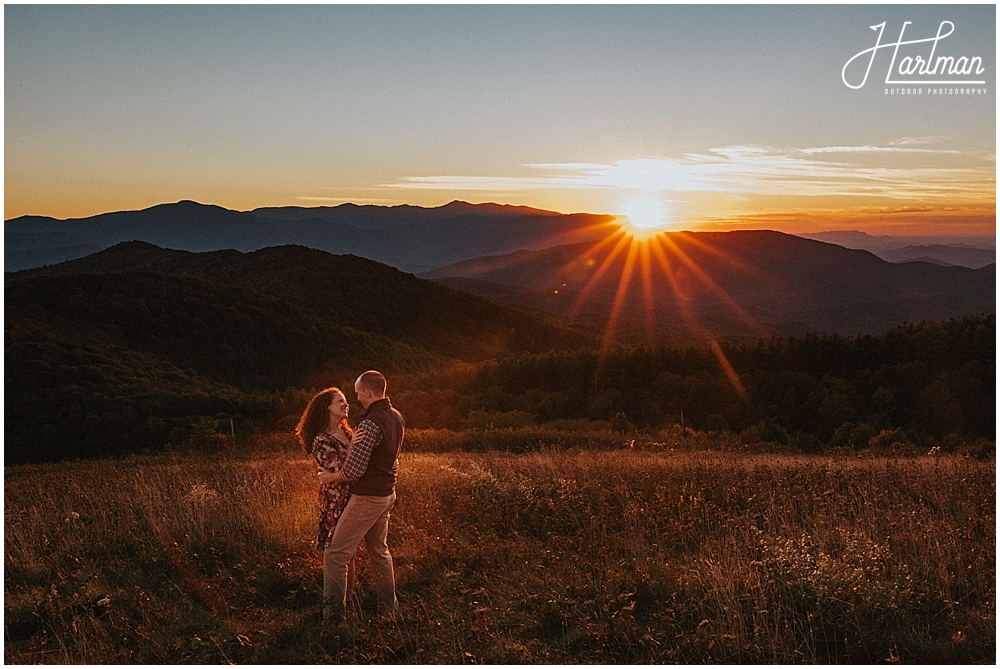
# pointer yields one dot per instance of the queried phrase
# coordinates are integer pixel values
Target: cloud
(930, 139)
(753, 170)
(878, 149)
(492, 184)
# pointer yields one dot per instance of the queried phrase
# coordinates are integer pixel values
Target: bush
(620, 423)
(716, 422)
(806, 443)
(892, 441)
(852, 436)
(981, 449)
(766, 431)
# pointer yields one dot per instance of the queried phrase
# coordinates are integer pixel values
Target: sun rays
(642, 269)
(643, 288)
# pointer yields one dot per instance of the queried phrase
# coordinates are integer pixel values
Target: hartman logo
(923, 61)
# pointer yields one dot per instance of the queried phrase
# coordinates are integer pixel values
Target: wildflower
(201, 493)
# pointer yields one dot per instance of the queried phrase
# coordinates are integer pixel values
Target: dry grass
(561, 556)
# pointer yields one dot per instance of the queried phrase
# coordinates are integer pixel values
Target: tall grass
(621, 556)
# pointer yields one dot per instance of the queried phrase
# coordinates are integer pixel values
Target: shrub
(892, 441)
(620, 423)
(852, 436)
(716, 422)
(981, 449)
(805, 442)
(764, 432)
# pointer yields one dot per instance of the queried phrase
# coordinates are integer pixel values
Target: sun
(644, 216)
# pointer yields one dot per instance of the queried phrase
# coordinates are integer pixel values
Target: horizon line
(730, 224)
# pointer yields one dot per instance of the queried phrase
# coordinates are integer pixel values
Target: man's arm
(367, 436)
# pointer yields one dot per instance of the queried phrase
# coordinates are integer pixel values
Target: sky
(683, 117)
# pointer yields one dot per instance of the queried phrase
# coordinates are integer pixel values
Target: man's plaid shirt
(361, 451)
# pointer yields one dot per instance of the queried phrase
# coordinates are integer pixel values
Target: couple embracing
(357, 486)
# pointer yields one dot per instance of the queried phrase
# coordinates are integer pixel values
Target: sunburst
(655, 256)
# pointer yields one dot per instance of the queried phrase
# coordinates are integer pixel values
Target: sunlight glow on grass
(173, 559)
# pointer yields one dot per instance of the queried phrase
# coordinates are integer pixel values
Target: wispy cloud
(758, 170)
(490, 184)
(880, 149)
(930, 139)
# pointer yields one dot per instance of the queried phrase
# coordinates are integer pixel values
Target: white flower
(202, 493)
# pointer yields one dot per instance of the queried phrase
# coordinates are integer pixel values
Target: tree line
(931, 380)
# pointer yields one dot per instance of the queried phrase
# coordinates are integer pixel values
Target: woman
(325, 434)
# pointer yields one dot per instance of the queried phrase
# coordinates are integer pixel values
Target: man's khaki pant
(365, 518)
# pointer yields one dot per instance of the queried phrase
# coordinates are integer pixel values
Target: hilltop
(134, 346)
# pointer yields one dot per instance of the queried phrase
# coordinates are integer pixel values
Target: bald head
(370, 387)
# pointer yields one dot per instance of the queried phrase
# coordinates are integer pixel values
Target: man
(370, 469)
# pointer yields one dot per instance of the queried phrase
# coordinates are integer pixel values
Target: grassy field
(561, 556)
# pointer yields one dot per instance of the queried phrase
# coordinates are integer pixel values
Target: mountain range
(413, 239)
(973, 252)
(746, 283)
(727, 284)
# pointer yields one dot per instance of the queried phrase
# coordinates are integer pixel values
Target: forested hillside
(929, 382)
(346, 290)
(137, 346)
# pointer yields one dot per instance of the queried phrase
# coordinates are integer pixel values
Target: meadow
(669, 551)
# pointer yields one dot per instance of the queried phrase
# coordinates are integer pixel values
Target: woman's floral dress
(330, 454)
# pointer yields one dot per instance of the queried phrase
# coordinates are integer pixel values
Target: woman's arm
(327, 477)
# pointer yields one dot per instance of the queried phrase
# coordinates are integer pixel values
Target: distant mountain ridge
(732, 284)
(941, 254)
(975, 252)
(407, 237)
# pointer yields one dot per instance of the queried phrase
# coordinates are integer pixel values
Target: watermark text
(916, 65)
